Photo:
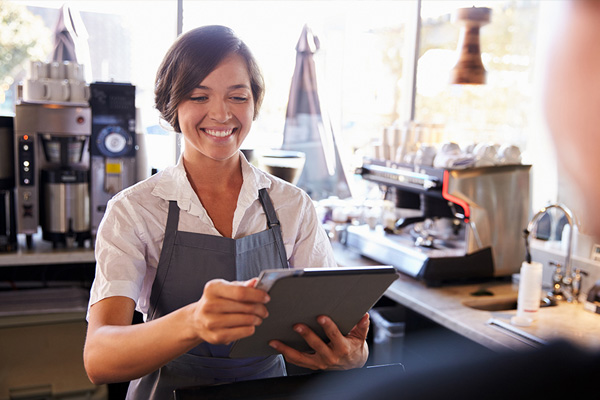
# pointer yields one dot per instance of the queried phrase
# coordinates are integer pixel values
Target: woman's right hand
(228, 311)
(116, 351)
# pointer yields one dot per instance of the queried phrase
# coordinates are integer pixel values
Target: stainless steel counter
(445, 306)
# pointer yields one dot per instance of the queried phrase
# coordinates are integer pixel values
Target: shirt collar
(174, 185)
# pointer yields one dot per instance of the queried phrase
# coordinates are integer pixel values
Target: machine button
(27, 210)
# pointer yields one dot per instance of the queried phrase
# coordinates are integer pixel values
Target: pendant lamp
(469, 68)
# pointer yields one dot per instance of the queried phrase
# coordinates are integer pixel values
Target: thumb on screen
(251, 282)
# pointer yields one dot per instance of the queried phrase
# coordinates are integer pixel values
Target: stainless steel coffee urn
(113, 144)
(8, 233)
(52, 171)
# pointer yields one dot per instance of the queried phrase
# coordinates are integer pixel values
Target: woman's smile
(221, 133)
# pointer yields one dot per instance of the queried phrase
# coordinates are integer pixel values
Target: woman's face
(216, 116)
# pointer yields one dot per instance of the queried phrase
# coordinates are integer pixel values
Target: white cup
(38, 70)
(450, 148)
(485, 150)
(469, 148)
(509, 154)
(36, 90)
(425, 155)
(80, 91)
(57, 70)
(486, 155)
(59, 89)
(73, 71)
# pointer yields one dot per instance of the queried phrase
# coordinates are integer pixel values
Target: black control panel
(26, 160)
(113, 119)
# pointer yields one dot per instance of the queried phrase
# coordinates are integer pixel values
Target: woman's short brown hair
(192, 57)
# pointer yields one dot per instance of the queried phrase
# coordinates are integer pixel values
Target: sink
(499, 303)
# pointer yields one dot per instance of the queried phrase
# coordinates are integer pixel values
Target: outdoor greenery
(23, 37)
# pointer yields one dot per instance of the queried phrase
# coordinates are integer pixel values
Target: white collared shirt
(130, 236)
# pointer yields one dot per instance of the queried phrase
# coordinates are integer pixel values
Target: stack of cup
(55, 82)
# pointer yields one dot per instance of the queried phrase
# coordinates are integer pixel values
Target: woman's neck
(208, 174)
(217, 185)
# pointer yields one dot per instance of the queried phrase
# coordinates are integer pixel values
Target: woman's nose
(219, 111)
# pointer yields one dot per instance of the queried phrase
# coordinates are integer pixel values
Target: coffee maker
(8, 233)
(52, 171)
(460, 223)
(113, 144)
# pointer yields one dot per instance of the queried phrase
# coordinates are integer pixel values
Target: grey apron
(187, 262)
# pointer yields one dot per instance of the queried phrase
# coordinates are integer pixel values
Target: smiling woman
(184, 247)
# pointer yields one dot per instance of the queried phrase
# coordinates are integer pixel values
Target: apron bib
(187, 262)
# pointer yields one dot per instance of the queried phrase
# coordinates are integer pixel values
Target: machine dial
(114, 141)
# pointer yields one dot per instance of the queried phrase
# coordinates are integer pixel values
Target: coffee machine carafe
(52, 171)
(113, 145)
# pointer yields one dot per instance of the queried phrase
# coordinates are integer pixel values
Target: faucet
(565, 287)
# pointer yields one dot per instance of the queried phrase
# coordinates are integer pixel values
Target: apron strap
(273, 223)
(165, 257)
(267, 205)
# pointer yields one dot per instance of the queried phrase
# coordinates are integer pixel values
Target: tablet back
(344, 294)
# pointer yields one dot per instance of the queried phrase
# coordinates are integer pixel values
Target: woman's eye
(239, 99)
(199, 98)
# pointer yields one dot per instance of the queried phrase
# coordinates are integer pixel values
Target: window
(497, 111)
(365, 50)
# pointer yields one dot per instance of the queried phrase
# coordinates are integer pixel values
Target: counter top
(492, 329)
(43, 253)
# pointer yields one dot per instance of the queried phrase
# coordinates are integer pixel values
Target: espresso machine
(462, 223)
(113, 144)
(52, 171)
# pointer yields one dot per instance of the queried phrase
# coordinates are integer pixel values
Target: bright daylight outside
(359, 65)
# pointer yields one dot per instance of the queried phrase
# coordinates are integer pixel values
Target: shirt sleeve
(312, 248)
(121, 265)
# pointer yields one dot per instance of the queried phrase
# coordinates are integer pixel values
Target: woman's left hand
(342, 352)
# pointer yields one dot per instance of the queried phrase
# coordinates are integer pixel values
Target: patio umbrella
(71, 39)
(307, 130)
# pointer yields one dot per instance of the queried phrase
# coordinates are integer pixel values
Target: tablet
(301, 295)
